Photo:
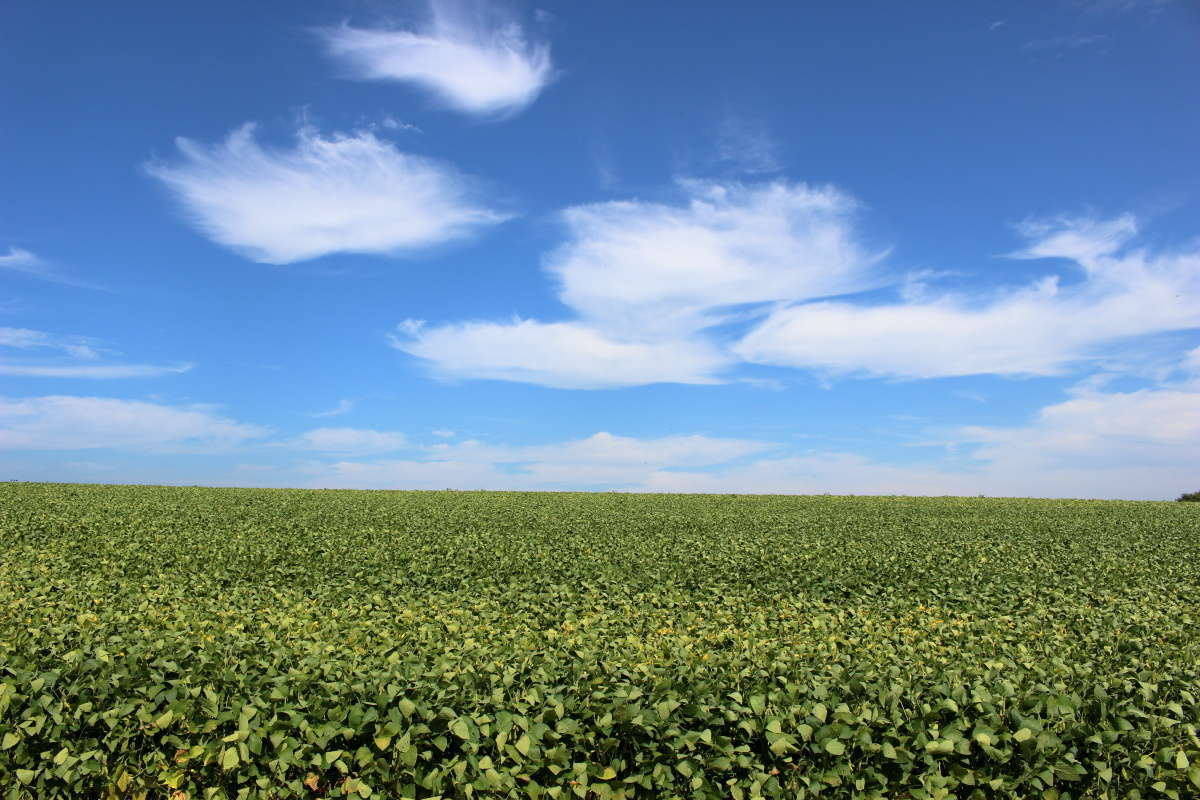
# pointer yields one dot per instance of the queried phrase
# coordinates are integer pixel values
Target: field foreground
(196, 643)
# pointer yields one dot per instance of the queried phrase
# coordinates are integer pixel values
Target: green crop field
(196, 643)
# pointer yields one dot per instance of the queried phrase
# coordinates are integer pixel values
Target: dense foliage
(195, 643)
(1189, 497)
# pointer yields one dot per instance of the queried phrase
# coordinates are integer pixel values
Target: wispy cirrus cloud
(61, 422)
(746, 145)
(23, 338)
(92, 371)
(24, 262)
(1122, 6)
(472, 56)
(1068, 42)
(79, 349)
(20, 260)
(344, 193)
(344, 406)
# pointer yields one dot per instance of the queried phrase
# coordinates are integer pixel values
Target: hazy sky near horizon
(867, 247)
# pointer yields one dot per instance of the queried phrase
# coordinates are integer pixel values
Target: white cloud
(817, 473)
(598, 460)
(92, 371)
(1135, 451)
(80, 348)
(344, 406)
(443, 433)
(1095, 429)
(747, 145)
(351, 193)
(1040, 329)
(411, 475)
(1096, 443)
(76, 423)
(19, 259)
(1085, 240)
(23, 338)
(564, 355)
(1121, 6)
(359, 441)
(26, 263)
(664, 269)
(1069, 42)
(607, 449)
(1133, 445)
(470, 55)
(646, 279)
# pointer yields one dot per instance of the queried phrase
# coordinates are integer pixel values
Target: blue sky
(868, 248)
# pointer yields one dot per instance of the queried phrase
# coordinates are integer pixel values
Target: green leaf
(835, 747)
(10, 740)
(461, 729)
(25, 776)
(1023, 735)
(164, 720)
(229, 759)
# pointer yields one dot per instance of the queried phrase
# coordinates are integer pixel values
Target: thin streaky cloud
(1122, 6)
(92, 371)
(343, 193)
(19, 259)
(24, 262)
(80, 347)
(344, 406)
(471, 55)
(1072, 42)
(77, 348)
